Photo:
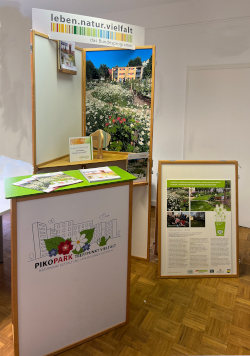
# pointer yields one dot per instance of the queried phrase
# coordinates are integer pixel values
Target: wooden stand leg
(1, 239)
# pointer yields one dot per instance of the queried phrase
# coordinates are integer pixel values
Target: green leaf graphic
(89, 234)
(53, 243)
(103, 241)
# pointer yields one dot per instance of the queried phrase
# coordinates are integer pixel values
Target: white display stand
(62, 300)
(198, 218)
(58, 114)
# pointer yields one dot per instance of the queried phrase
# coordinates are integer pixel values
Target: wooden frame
(14, 272)
(159, 213)
(152, 90)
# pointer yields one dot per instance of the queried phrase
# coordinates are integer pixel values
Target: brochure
(80, 149)
(99, 174)
(47, 182)
(67, 62)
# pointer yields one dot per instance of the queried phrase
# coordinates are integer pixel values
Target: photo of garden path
(197, 219)
(206, 199)
(178, 199)
(118, 97)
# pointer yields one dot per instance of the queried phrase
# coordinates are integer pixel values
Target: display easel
(58, 113)
(198, 219)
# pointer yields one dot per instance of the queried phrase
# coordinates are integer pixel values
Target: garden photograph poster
(118, 97)
(199, 227)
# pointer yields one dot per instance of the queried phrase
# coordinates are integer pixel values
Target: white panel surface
(61, 303)
(217, 121)
(58, 102)
(196, 172)
(140, 222)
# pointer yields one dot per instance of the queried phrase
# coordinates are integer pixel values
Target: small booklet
(47, 182)
(80, 149)
(99, 174)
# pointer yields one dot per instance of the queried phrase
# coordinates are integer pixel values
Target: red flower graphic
(65, 247)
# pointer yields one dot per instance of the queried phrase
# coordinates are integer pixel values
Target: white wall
(15, 90)
(192, 33)
(185, 32)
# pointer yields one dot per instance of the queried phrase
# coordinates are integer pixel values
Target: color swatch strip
(92, 32)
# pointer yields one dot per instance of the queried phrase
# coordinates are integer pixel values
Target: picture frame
(66, 57)
(197, 212)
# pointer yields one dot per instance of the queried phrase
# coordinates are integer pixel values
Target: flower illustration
(86, 247)
(53, 252)
(79, 242)
(65, 247)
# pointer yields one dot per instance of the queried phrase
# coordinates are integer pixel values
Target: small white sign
(80, 149)
(70, 27)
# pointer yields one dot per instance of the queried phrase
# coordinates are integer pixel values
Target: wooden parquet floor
(167, 317)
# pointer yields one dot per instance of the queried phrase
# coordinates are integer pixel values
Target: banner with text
(70, 27)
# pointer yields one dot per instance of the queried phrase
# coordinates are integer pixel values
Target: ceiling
(84, 7)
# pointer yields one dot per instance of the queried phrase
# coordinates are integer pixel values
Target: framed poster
(198, 218)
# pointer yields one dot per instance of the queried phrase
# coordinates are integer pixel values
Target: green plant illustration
(103, 241)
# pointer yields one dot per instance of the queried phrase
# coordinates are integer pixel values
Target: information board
(198, 218)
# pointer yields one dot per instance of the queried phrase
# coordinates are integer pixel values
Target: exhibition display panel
(198, 218)
(70, 262)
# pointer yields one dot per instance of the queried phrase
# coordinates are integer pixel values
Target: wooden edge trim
(237, 218)
(33, 96)
(152, 103)
(201, 276)
(41, 34)
(40, 165)
(71, 191)
(67, 71)
(115, 48)
(140, 183)
(156, 224)
(129, 247)
(159, 216)
(149, 208)
(139, 258)
(14, 292)
(86, 340)
(197, 162)
(84, 79)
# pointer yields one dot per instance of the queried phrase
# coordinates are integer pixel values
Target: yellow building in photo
(120, 74)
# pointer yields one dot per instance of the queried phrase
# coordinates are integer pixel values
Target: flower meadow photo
(178, 199)
(177, 219)
(118, 97)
